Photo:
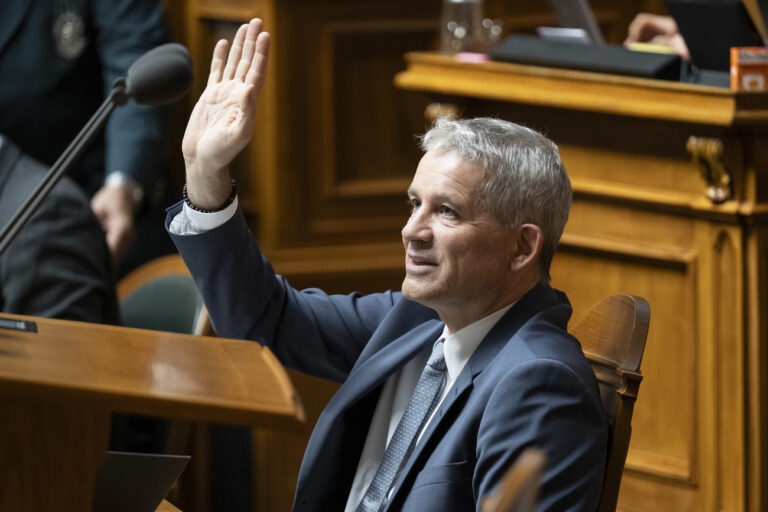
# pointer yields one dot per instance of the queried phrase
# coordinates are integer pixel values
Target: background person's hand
(113, 206)
(656, 29)
(221, 124)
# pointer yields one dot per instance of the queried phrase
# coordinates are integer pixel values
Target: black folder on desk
(531, 50)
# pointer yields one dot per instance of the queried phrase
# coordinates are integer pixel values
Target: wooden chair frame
(612, 336)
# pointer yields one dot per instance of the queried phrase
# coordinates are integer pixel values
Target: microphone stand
(83, 139)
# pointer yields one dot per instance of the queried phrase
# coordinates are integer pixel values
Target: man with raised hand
(444, 383)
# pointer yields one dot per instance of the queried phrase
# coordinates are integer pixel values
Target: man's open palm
(222, 122)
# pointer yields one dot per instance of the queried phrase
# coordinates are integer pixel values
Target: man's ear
(529, 242)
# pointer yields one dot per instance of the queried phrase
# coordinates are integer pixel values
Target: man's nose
(417, 227)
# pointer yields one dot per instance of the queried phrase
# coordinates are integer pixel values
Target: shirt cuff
(191, 222)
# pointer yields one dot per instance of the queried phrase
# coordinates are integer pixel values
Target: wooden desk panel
(60, 384)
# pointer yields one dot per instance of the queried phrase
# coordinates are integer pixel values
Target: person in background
(63, 57)
(59, 265)
(445, 382)
(657, 29)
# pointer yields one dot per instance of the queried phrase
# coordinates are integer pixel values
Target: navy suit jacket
(527, 384)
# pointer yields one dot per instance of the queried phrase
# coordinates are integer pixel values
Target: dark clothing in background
(55, 76)
(59, 264)
(46, 98)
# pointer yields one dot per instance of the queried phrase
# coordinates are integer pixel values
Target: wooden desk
(59, 386)
(678, 220)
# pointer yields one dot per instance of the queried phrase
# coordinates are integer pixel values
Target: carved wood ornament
(707, 154)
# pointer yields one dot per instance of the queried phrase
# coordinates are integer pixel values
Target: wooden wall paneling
(664, 272)
(731, 395)
(368, 159)
(722, 421)
(281, 141)
(260, 165)
(727, 244)
(663, 465)
(757, 166)
(756, 319)
(630, 252)
(757, 362)
(650, 166)
(26, 438)
(336, 150)
(356, 130)
(176, 20)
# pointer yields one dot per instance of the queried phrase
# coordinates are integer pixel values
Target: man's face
(457, 255)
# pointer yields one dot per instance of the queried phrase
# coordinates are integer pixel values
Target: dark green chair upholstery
(161, 295)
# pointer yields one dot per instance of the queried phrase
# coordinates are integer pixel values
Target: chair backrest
(612, 336)
(161, 295)
(518, 491)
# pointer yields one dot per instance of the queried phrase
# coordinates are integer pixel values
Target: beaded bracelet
(228, 202)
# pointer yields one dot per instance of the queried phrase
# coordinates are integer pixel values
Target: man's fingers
(234, 53)
(217, 63)
(258, 69)
(254, 28)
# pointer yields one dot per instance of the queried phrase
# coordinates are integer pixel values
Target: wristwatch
(120, 179)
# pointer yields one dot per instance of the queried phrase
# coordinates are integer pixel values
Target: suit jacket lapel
(372, 371)
(11, 15)
(535, 301)
(366, 377)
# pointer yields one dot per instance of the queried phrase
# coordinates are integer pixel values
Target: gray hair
(525, 181)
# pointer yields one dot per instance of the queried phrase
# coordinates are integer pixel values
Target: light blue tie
(422, 401)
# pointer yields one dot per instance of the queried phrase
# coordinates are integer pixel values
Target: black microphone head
(160, 76)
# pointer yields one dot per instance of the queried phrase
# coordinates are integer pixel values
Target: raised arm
(222, 122)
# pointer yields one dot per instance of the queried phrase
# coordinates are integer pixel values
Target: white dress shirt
(192, 222)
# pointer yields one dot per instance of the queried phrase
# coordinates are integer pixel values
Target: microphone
(160, 76)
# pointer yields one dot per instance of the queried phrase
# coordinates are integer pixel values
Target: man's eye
(447, 211)
(414, 204)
